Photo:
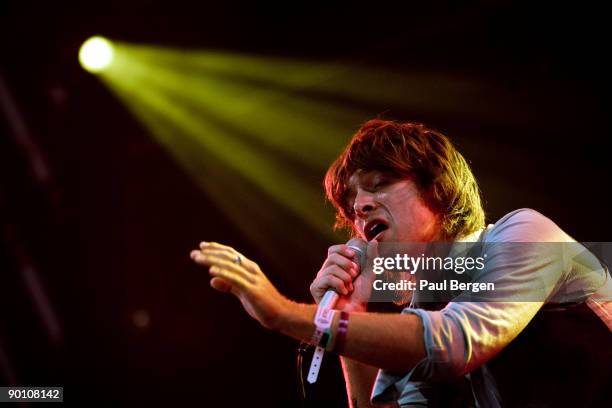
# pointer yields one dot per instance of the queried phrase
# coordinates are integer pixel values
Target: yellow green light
(96, 54)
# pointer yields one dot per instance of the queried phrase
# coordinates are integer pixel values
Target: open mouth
(374, 228)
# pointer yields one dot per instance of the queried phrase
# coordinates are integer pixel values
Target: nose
(364, 203)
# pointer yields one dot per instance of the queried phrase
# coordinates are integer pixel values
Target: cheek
(429, 225)
(416, 221)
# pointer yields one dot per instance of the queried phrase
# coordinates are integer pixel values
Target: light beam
(96, 54)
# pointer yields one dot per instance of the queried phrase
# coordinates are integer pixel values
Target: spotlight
(96, 54)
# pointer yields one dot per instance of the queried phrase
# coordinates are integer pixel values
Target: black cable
(301, 352)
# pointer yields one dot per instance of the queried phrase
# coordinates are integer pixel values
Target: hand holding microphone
(340, 278)
(333, 288)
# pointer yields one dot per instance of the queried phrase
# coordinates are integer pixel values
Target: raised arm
(392, 342)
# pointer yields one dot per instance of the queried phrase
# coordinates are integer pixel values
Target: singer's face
(390, 209)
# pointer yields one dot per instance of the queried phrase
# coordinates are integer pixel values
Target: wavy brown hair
(410, 150)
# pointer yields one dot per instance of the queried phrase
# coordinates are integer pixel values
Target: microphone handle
(329, 299)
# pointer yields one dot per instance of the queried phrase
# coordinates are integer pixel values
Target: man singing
(544, 339)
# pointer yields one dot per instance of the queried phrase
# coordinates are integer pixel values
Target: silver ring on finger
(238, 260)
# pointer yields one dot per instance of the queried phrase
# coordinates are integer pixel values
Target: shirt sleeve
(466, 334)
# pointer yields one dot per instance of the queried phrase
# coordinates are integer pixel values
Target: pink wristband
(341, 332)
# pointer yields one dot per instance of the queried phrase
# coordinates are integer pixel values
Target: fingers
(323, 283)
(227, 274)
(209, 254)
(230, 280)
(342, 250)
(337, 273)
(222, 262)
(346, 264)
(217, 246)
(221, 284)
(227, 253)
(342, 256)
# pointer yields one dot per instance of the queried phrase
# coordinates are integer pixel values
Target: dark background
(107, 234)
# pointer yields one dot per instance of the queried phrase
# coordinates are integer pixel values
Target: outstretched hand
(234, 273)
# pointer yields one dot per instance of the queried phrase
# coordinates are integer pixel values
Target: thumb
(372, 250)
(371, 253)
(221, 285)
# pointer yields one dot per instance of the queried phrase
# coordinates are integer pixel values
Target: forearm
(392, 342)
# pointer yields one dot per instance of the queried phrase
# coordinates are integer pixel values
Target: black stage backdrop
(103, 242)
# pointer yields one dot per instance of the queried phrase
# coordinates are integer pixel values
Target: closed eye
(380, 184)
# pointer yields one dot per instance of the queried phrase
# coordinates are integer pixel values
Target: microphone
(322, 318)
(358, 245)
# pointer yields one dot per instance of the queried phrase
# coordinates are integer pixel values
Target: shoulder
(526, 225)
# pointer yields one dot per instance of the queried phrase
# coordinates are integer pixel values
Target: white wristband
(323, 321)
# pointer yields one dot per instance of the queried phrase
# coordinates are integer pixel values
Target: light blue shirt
(466, 334)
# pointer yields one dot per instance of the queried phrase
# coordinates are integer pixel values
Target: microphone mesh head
(360, 246)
